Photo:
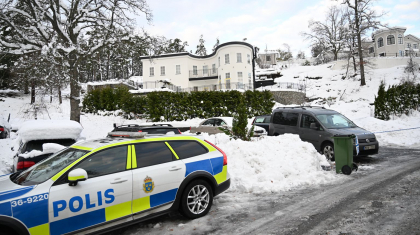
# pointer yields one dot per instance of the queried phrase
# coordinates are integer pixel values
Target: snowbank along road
(383, 200)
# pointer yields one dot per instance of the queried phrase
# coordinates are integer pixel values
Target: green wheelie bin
(343, 153)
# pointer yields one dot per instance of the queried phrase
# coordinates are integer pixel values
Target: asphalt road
(383, 200)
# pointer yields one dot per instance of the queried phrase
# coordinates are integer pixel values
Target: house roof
(410, 35)
(389, 29)
(198, 56)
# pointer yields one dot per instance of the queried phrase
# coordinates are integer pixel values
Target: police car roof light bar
(127, 134)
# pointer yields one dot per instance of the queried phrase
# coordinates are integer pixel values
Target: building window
(249, 59)
(408, 45)
(371, 50)
(249, 75)
(178, 69)
(162, 70)
(239, 57)
(196, 88)
(402, 53)
(227, 76)
(400, 39)
(205, 69)
(194, 70)
(152, 71)
(227, 84)
(390, 40)
(415, 46)
(240, 79)
(219, 62)
(213, 68)
(226, 58)
(380, 42)
(268, 58)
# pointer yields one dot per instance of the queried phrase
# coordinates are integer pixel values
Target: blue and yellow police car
(112, 182)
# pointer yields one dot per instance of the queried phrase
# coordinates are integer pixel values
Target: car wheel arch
(197, 175)
(14, 224)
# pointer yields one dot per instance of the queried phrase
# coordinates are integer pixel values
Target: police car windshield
(335, 121)
(49, 167)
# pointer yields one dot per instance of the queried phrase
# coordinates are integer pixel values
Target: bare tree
(201, 49)
(330, 33)
(61, 29)
(364, 18)
(412, 67)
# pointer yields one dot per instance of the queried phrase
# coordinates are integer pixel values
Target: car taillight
(140, 131)
(179, 131)
(1, 129)
(24, 164)
(224, 154)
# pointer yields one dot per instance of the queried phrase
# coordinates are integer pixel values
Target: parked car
(36, 140)
(151, 129)
(212, 126)
(318, 125)
(5, 128)
(108, 183)
(262, 121)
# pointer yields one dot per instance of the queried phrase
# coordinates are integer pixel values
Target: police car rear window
(187, 149)
(149, 154)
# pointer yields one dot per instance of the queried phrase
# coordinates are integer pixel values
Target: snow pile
(50, 129)
(4, 123)
(272, 163)
(46, 149)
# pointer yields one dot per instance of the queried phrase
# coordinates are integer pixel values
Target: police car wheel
(197, 199)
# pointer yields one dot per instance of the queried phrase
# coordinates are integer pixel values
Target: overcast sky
(264, 23)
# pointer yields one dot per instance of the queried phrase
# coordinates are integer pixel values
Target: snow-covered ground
(267, 164)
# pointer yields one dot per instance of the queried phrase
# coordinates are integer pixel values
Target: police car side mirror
(76, 175)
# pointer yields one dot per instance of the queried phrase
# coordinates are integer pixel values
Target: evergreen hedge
(171, 106)
(397, 100)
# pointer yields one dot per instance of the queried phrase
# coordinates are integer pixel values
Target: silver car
(318, 125)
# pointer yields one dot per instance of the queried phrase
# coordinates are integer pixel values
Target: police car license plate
(369, 147)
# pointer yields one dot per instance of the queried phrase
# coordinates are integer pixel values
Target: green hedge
(397, 100)
(171, 106)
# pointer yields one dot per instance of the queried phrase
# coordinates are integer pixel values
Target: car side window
(259, 120)
(292, 119)
(219, 122)
(149, 154)
(279, 118)
(307, 120)
(209, 122)
(105, 162)
(188, 148)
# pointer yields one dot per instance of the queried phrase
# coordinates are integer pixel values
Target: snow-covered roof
(49, 129)
(389, 28)
(260, 72)
(410, 35)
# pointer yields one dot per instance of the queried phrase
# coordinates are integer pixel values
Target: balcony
(202, 74)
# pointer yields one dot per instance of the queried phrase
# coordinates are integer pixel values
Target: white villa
(391, 42)
(230, 66)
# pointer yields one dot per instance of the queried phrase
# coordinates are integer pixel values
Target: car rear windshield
(335, 121)
(37, 144)
(49, 167)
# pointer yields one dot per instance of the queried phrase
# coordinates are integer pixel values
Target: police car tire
(185, 210)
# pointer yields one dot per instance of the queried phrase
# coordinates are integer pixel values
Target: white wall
(188, 61)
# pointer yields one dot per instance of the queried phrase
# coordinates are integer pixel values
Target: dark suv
(150, 129)
(318, 125)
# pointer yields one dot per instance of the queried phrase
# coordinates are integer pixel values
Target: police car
(112, 182)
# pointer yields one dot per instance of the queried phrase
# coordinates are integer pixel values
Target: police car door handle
(118, 181)
(174, 168)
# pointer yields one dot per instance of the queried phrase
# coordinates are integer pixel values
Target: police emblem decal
(148, 185)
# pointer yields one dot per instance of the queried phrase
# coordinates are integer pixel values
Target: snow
(46, 149)
(4, 123)
(49, 129)
(268, 163)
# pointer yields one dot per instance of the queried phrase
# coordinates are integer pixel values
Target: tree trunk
(74, 90)
(359, 45)
(60, 99)
(51, 94)
(32, 92)
(354, 65)
(26, 87)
